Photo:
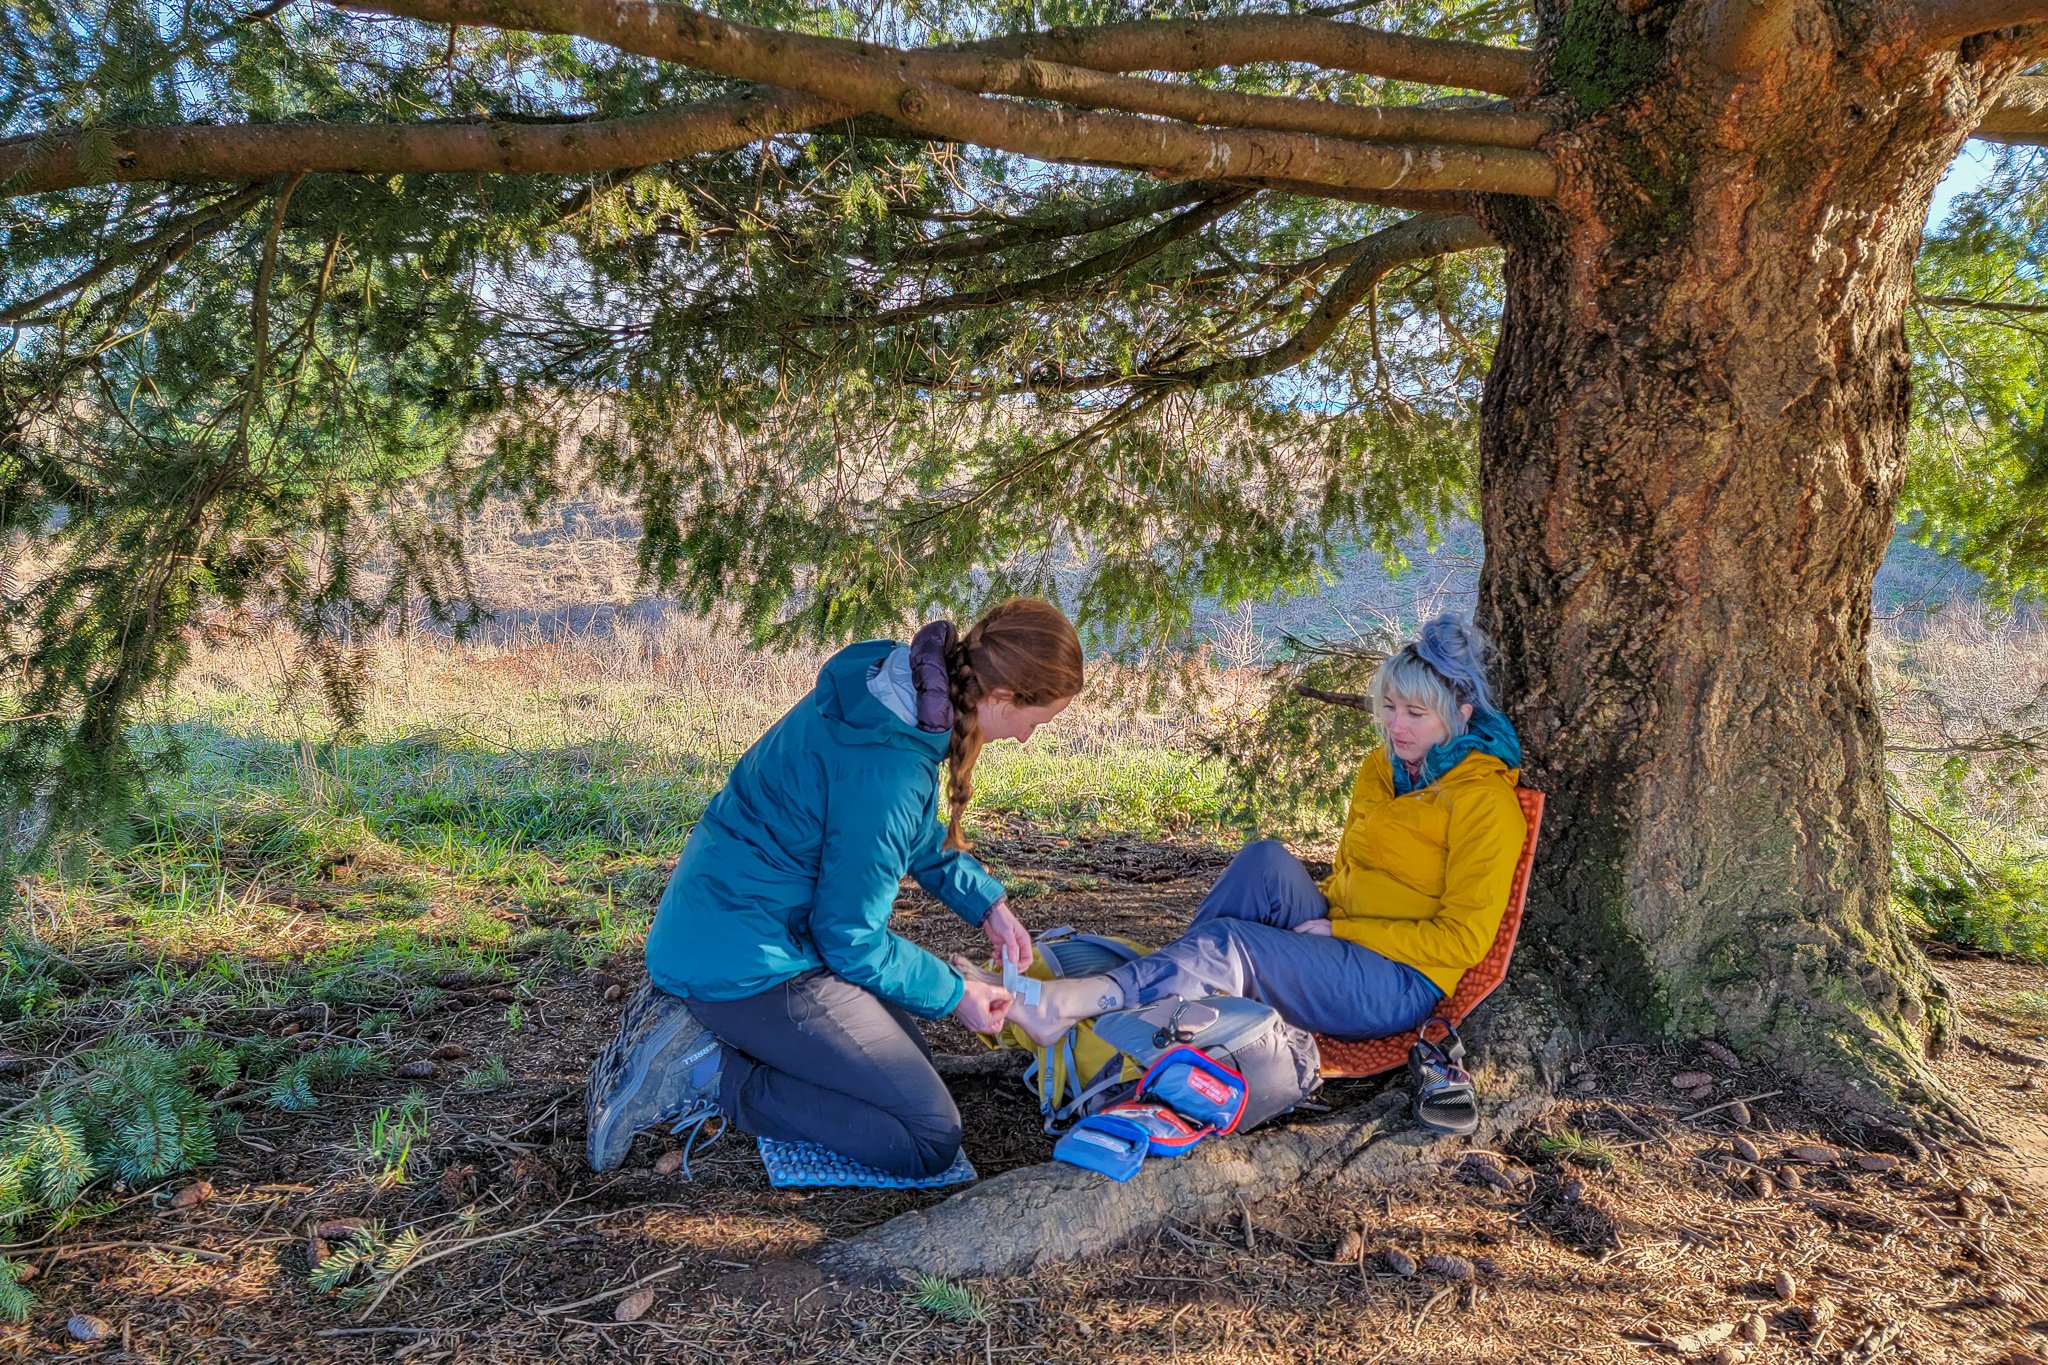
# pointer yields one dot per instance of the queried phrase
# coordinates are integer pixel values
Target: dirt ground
(1631, 1226)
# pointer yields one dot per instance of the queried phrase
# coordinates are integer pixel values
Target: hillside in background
(575, 570)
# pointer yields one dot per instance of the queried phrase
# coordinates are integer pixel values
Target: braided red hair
(1025, 647)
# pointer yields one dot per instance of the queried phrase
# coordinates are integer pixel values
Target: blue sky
(1965, 173)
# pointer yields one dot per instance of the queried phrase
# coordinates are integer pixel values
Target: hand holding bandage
(1006, 934)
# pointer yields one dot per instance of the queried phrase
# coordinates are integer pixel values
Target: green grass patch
(1085, 788)
(2025, 1007)
(393, 1132)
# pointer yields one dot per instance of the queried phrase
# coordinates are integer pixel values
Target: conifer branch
(1980, 305)
(2021, 114)
(911, 88)
(1085, 88)
(259, 315)
(199, 223)
(239, 152)
(1369, 261)
(1333, 44)
(1112, 261)
(1415, 201)
(1076, 222)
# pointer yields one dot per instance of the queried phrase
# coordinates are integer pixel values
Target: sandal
(1445, 1101)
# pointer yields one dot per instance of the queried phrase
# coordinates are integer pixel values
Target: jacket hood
(857, 715)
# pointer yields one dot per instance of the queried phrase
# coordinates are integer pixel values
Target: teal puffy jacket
(796, 862)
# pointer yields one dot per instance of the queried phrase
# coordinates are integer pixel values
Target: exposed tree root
(1037, 1216)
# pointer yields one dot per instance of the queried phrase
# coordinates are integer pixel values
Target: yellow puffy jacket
(1424, 878)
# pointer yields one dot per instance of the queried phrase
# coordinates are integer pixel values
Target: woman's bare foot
(973, 970)
(1061, 1003)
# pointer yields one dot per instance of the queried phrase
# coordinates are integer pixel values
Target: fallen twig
(422, 1257)
(65, 1253)
(1435, 1299)
(1729, 1104)
(643, 1281)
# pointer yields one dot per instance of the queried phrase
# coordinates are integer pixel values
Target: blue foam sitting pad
(792, 1164)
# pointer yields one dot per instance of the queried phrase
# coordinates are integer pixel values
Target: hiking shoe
(660, 1064)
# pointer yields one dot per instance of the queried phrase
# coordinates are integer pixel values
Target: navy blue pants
(1242, 942)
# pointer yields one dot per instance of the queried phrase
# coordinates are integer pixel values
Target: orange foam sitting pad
(1371, 1056)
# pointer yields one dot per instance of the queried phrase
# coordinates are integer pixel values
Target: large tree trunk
(1693, 441)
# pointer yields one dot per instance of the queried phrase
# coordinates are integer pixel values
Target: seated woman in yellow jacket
(1417, 893)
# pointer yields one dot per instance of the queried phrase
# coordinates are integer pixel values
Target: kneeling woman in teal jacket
(774, 931)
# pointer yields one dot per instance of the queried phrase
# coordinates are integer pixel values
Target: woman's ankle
(1084, 997)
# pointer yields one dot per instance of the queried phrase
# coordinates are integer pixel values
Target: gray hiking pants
(1241, 942)
(818, 1059)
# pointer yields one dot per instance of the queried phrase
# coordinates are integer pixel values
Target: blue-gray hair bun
(1456, 648)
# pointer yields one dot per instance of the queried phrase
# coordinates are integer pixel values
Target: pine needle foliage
(126, 1109)
(16, 1302)
(1291, 760)
(1979, 485)
(953, 1302)
(491, 1074)
(137, 1109)
(355, 1269)
(292, 1088)
(358, 1253)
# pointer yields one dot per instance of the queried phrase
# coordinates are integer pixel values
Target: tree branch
(1223, 108)
(1112, 261)
(1944, 23)
(1305, 163)
(1980, 305)
(1076, 222)
(1739, 36)
(1370, 260)
(909, 87)
(1415, 201)
(2020, 115)
(1181, 45)
(259, 314)
(199, 223)
(206, 152)
(1356, 700)
(1417, 239)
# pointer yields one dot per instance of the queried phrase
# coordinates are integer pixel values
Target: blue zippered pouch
(1197, 1087)
(1103, 1143)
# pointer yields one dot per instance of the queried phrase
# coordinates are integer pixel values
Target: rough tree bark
(1692, 446)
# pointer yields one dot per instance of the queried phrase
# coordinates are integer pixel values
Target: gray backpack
(1279, 1062)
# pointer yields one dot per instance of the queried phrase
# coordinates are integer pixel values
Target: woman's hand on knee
(1315, 926)
(1006, 934)
(983, 1006)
